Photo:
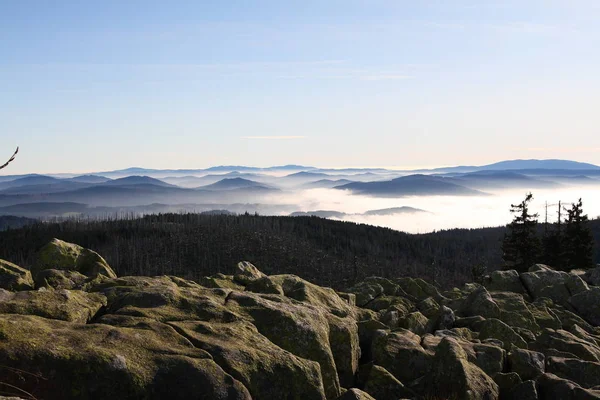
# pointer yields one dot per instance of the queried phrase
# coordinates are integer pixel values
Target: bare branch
(10, 159)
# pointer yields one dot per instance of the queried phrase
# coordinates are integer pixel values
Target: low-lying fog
(443, 212)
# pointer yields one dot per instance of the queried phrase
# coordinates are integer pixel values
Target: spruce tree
(521, 245)
(578, 241)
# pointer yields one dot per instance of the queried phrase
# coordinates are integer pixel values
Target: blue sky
(92, 86)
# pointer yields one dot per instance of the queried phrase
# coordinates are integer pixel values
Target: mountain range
(136, 189)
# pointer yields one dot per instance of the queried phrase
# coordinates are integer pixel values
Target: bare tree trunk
(10, 159)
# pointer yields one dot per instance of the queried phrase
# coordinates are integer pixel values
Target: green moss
(13, 277)
(68, 256)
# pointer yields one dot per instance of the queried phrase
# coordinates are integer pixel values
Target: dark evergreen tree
(521, 245)
(578, 241)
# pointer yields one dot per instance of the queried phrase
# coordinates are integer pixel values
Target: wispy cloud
(386, 77)
(581, 149)
(273, 137)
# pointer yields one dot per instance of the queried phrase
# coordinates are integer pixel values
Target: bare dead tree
(10, 159)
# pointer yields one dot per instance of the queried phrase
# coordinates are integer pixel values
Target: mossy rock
(566, 342)
(366, 292)
(220, 281)
(543, 315)
(60, 279)
(401, 353)
(428, 307)
(587, 304)
(300, 328)
(303, 291)
(62, 360)
(264, 285)
(541, 276)
(418, 289)
(13, 277)
(584, 373)
(505, 281)
(246, 272)
(266, 370)
(381, 384)
(480, 302)
(453, 376)
(345, 347)
(67, 305)
(165, 299)
(355, 394)
(71, 257)
(528, 364)
(415, 322)
(514, 311)
(550, 386)
(496, 329)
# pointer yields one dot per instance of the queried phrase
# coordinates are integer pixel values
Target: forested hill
(330, 253)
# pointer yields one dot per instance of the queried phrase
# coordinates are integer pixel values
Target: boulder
(366, 332)
(528, 364)
(355, 394)
(543, 315)
(428, 307)
(592, 276)
(303, 291)
(246, 272)
(524, 391)
(381, 384)
(480, 302)
(576, 285)
(452, 376)
(345, 346)
(71, 257)
(507, 381)
(584, 373)
(13, 277)
(401, 353)
(443, 319)
(514, 311)
(587, 304)
(366, 292)
(505, 281)
(418, 289)
(494, 328)
(220, 281)
(66, 305)
(551, 386)
(414, 322)
(564, 341)
(541, 276)
(266, 370)
(301, 329)
(60, 279)
(77, 361)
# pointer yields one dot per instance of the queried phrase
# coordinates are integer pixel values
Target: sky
(95, 86)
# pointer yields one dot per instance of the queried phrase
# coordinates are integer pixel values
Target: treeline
(567, 244)
(326, 252)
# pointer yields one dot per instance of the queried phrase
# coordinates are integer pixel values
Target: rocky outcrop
(78, 331)
(13, 277)
(71, 257)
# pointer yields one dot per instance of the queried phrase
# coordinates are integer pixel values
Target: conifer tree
(521, 245)
(578, 241)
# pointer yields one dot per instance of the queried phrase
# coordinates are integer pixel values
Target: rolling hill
(412, 185)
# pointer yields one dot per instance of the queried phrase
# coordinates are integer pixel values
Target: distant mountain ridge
(412, 185)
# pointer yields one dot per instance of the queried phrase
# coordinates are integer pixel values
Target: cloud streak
(273, 137)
